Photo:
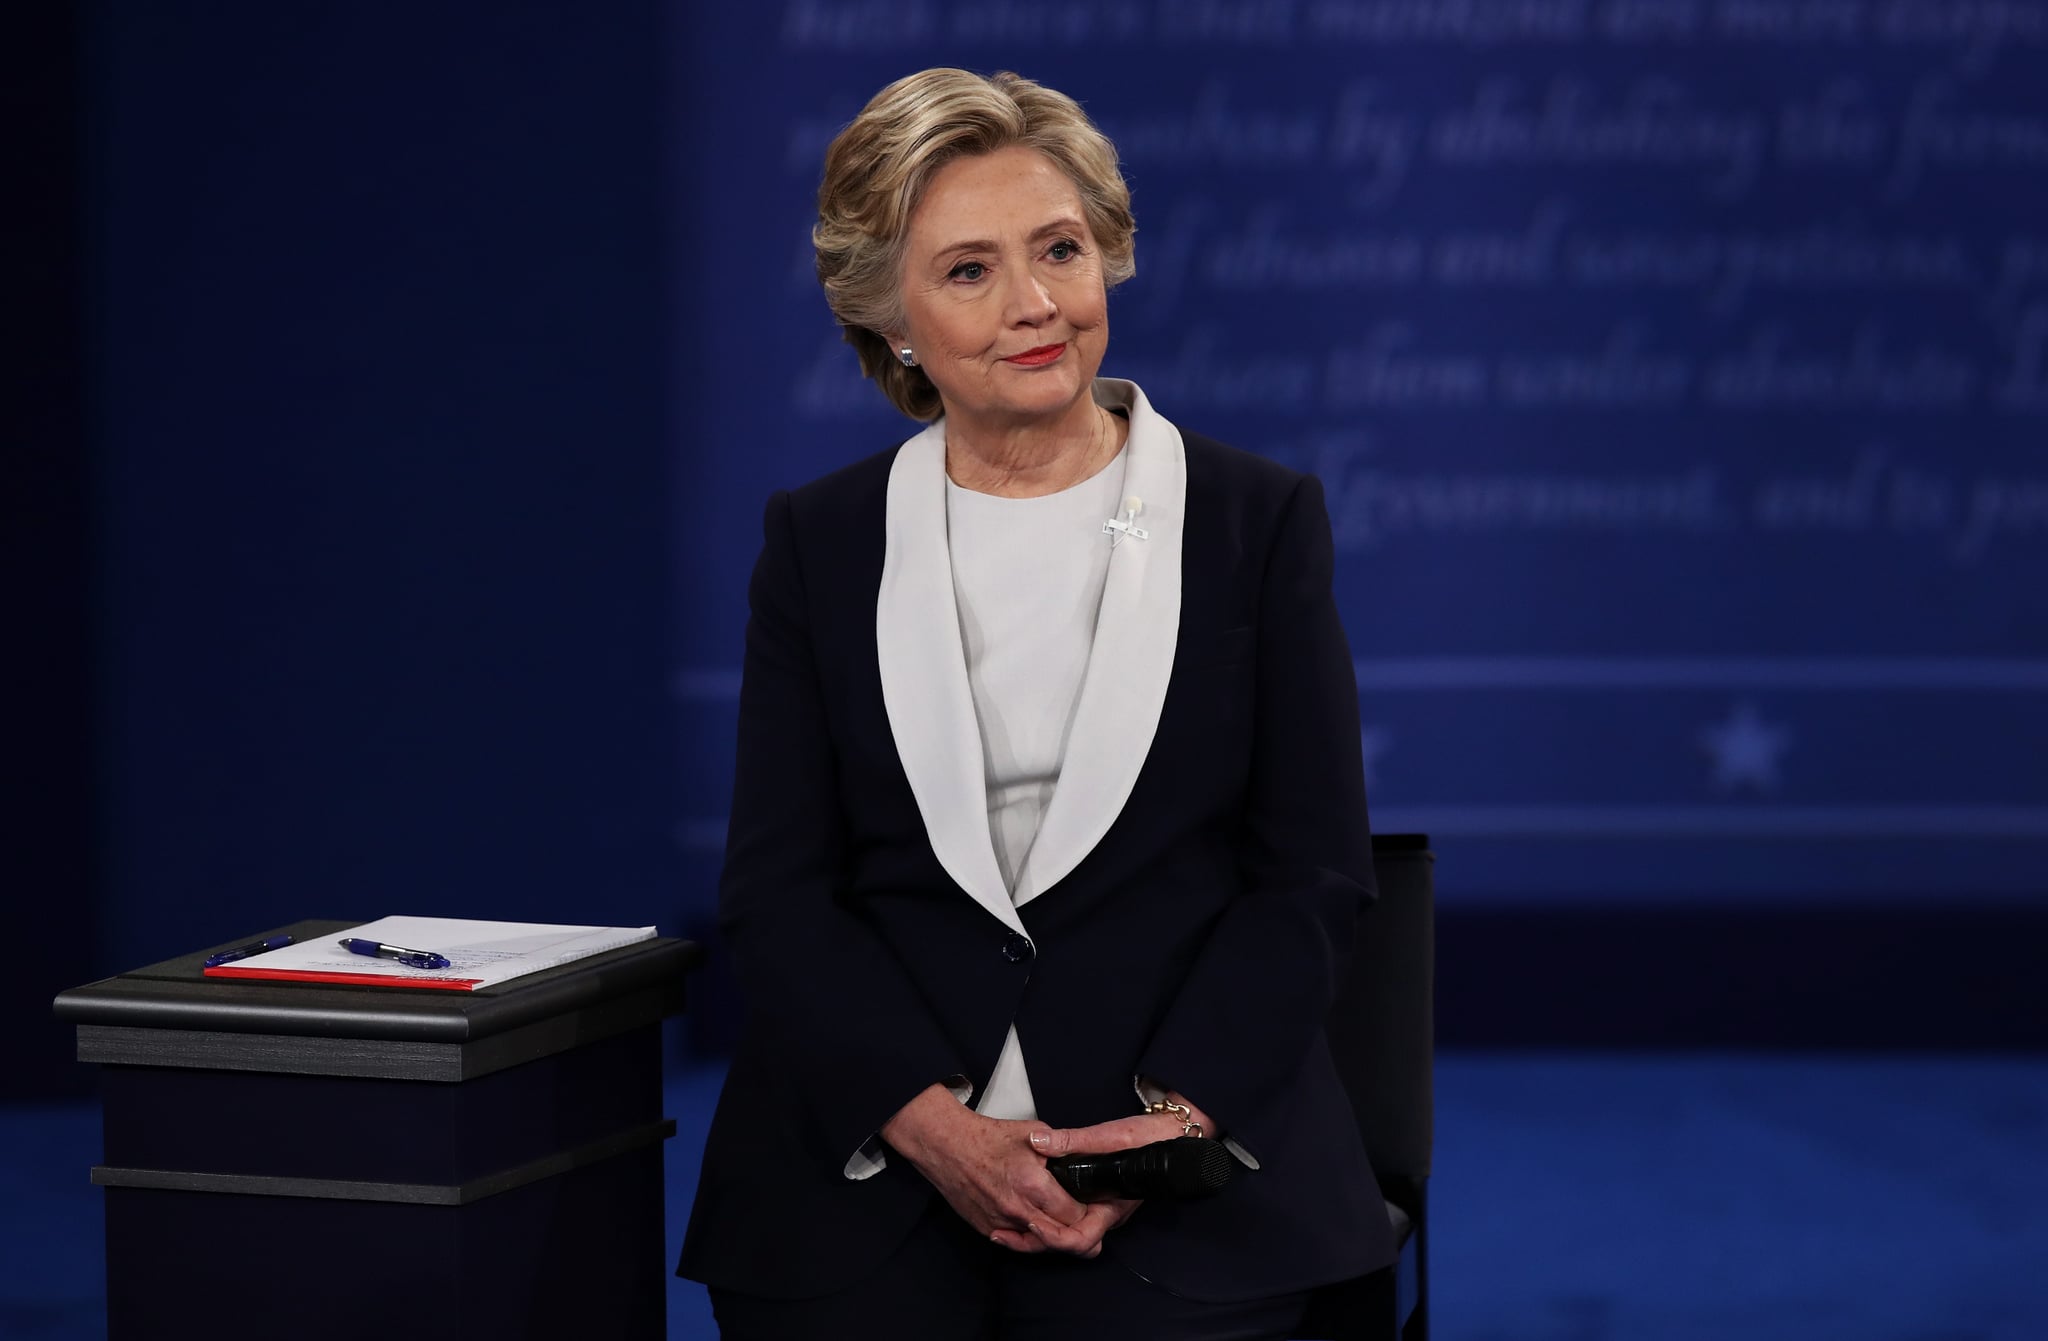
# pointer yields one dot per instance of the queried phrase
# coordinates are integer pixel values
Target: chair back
(1382, 1028)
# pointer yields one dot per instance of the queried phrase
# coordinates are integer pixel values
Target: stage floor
(1578, 1197)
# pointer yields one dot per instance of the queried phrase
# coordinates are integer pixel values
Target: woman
(1048, 835)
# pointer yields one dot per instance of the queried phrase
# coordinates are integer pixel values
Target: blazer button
(1016, 947)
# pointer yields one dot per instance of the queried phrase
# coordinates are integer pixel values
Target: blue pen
(425, 959)
(219, 957)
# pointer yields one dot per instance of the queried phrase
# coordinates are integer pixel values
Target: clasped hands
(991, 1171)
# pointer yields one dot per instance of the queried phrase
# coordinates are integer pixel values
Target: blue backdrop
(1678, 372)
(375, 351)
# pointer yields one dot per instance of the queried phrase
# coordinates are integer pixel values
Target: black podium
(335, 1161)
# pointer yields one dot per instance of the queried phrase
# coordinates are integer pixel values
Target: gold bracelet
(1188, 1125)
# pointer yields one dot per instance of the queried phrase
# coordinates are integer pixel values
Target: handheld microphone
(1181, 1169)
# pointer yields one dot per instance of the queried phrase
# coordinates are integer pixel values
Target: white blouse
(1027, 582)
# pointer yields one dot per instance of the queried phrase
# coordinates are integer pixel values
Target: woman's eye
(969, 271)
(1063, 251)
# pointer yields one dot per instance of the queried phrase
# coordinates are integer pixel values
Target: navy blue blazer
(1196, 934)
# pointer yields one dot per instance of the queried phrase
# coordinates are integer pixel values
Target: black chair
(1382, 1033)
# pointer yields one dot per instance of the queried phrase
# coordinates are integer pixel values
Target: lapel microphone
(1125, 523)
(1181, 1169)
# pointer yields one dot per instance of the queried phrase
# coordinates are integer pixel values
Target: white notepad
(479, 954)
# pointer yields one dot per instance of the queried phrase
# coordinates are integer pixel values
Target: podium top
(174, 994)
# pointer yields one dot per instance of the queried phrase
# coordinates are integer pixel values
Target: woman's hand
(992, 1176)
(1106, 1138)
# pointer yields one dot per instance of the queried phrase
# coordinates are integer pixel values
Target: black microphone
(1180, 1169)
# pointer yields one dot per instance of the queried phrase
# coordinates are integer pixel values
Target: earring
(906, 357)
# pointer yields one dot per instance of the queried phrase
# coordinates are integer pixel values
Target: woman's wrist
(914, 1125)
(1199, 1123)
(1155, 1097)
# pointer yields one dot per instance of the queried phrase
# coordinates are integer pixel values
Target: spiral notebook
(479, 954)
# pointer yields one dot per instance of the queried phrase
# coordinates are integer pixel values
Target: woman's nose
(1031, 302)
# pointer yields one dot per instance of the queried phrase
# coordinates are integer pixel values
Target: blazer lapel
(924, 676)
(1136, 631)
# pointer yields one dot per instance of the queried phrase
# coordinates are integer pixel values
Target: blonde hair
(878, 168)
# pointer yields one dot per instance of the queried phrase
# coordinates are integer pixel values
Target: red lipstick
(1039, 357)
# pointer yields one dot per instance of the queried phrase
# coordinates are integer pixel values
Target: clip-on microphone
(1125, 523)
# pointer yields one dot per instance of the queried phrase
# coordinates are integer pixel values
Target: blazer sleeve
(814, 974)
(1260, 989)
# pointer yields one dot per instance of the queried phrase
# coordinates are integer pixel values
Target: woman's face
(1002, 289)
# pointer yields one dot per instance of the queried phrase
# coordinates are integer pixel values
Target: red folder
(358, 979)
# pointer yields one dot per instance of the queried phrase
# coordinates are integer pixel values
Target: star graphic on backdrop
(1374, 741)
(1745, 749)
